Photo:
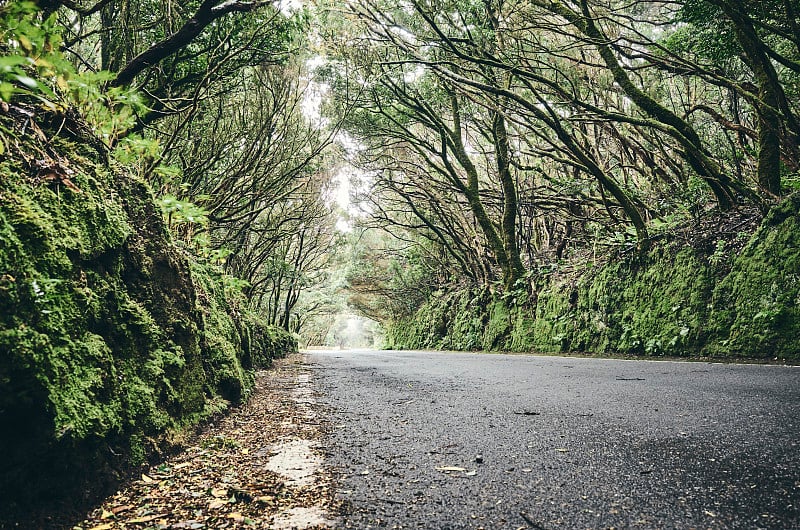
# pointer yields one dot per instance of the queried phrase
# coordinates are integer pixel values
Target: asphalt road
(454, 440)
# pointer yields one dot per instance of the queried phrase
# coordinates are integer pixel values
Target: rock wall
(111, 339)
(678, 300)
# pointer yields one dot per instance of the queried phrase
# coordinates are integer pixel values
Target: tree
(748, 29)
(177, 54)
(426, 120)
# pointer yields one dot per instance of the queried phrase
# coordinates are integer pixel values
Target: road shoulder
(258, 467)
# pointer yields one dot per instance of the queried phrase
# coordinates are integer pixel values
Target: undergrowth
(736, 295)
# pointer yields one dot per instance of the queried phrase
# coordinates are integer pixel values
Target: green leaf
(25, 42)
(6, 91)
(9, 62)
(27, 81)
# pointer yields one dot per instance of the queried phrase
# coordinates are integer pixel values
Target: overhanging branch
(205, 15)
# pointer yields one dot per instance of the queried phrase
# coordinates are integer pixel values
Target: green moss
(650, 306)
(234, 339)
(108, 340)
(550, 327)
(265, 342)
(137, 449)
(428, 328)
(497, 327)
(521, 337)
(88, 403)
(468, 317)
(221, 341)
(756, 308)
(675, 301)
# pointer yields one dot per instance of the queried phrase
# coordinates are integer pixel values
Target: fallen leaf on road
(192, 525)
(531, 522)
(146, 479)
(219, 492)
(450, 468)
(562, 450)
(215, 504)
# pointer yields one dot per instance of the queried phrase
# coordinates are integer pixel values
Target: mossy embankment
(112, 340)
(717, 299)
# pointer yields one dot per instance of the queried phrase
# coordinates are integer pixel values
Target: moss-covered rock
(678, 300)
(755, 309)
(225, 360)
(109, 336)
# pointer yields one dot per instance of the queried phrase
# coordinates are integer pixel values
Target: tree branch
(205, 15)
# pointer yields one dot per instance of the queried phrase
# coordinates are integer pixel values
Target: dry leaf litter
(258, 467)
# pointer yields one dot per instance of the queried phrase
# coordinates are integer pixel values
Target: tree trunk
(472, 193)
(515, 269)
(771, 99)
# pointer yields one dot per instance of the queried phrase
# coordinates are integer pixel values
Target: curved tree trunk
(515, 269)
(771, 99)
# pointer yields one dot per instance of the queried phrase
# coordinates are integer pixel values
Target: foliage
(30, 50)
(756, 308)
(562, 131)
(33, 67)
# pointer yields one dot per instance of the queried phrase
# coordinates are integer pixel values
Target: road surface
(454, 440)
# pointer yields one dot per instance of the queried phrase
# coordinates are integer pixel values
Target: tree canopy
(510, 135)
(498, 137)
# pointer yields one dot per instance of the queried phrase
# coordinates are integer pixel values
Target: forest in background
(483, 141)
(502, 144)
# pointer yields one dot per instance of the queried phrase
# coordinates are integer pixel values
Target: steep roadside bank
(722, 299)
(114, 341)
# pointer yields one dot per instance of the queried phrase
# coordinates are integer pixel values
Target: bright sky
(287, 7)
